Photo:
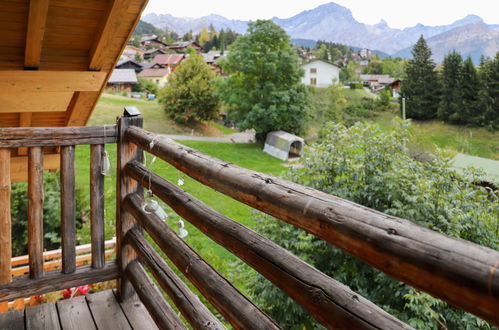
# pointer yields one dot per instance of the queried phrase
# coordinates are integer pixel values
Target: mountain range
(470, 36)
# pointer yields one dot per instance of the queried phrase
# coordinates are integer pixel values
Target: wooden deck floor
(95, 311)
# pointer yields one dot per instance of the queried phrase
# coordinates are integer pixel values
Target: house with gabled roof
(151, 53)
(168, 60)
(122, 80)
(129, 64)
(182, 46)
(320, 73)
(151, 40)
(157, 76)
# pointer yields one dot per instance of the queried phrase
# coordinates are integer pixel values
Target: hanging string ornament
(150, 205)
(105, 163)
(182, 232)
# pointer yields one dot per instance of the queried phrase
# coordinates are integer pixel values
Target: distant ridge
(332, 22)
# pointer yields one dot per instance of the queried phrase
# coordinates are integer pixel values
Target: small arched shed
(283, 145)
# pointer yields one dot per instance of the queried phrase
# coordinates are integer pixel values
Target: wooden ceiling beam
(108, 29)
(36, 29)
(50, 81)
(34, 102)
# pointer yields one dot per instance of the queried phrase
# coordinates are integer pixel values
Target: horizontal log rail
(56, 136)
(197, 314)
(233, 305)
(164, 316)
(456, 271)
(24, 286)
(330, 302)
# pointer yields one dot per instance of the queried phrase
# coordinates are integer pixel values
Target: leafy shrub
(51, 214)
(356, 86)
(375, 169)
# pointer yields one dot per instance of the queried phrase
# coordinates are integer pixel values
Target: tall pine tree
(451, 100)
(470, 87)
(489, 93)
(421, 86)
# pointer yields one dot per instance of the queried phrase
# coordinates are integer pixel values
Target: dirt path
(242, 137)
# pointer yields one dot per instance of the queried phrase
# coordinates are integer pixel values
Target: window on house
(313, 70)
(313, 81)
(157, 81)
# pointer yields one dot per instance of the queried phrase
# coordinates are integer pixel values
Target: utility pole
(403, 108)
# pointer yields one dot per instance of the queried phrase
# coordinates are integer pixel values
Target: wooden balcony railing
(456, 271)
(39, 281)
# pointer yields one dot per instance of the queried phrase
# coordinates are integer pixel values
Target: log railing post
(97, 205)
(68, 207)
(126, 151)
(35, 212)
(5, 221)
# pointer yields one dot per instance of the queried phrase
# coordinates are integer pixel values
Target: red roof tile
(168, 59)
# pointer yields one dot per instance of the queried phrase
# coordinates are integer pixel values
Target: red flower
(66, 294)
(83, 289)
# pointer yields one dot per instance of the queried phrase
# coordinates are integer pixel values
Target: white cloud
(398, 13)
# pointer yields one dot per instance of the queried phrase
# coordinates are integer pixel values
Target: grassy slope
(430, 134)
(110, 107)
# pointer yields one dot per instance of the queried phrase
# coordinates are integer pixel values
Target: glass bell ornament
(151, 206)
(105, 164)
(182, 232)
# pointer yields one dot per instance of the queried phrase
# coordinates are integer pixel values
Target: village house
(151, 53)
(157, 76)
(121, 80)
(320, 73)
(212, 58)
(168, 60)
(129, 64)
(132, 52)
(182, 46)
(151, 41)
(376, 81)
(395, 85)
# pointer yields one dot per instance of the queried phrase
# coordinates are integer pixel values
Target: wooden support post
(126, 151)
(5, 221)
(68, 219)
(35, 212)
(97, 205)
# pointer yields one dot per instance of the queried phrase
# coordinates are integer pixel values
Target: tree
(421, 86)
(451, 99)
(372, 167)
(322, 52)
(190, 93)
(348, 72)
(263, 90)
(470, 90)
(489, 94)
(203, 37)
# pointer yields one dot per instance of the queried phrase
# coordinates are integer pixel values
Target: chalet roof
(59, 56)
(154, 73)
(168, 59)
(149, 38)
(127, 60)
(319, 60)
(150, 65)
(380, 78)
(213, 56)
(154, 50)
(122, 76)
(183, 44)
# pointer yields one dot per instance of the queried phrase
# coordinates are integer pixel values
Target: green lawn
(245, 155)
(426, 135)
(111, 106)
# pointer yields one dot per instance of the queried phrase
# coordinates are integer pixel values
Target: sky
(397, 13)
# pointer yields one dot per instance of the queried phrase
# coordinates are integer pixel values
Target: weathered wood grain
(75, 314)
(35, 211)
(126, 152)
(106, 311)
(456, 271)
(68, 209)
(5, 219)
(197, 314)
(97, 205)
(42, 317)
(234, 306)
(330, 302)
(13, 320)
(54, 281)
(137, 314)
(56, 136)
(151, 297)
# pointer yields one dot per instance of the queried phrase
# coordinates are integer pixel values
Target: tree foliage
(373, 168)
(190, 93)
(489, 94)
(421, 86)
(451, 100)
(263, 90)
